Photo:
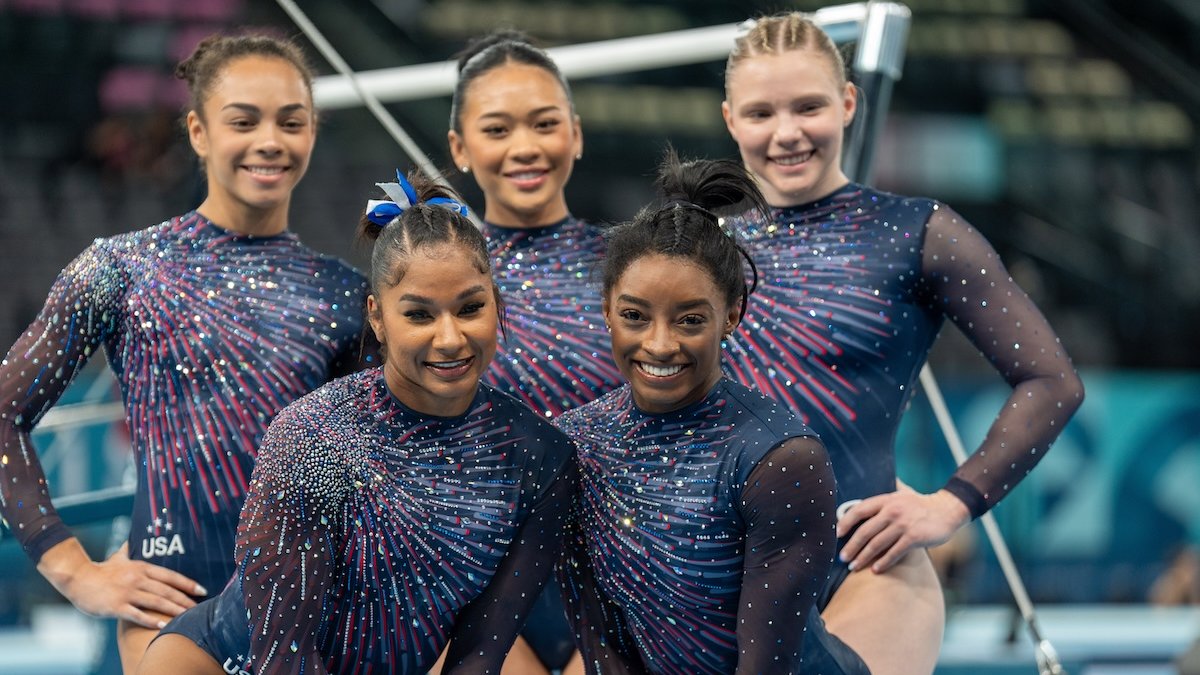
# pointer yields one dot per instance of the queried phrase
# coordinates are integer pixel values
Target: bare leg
(575, 665)
(178, 655)
(522, 660)
(132, 641)
(894, 620)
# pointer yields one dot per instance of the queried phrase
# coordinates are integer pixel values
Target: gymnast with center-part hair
(212, 322)
(856, 285)
(705, 517)
(403, 509)
(514, 129)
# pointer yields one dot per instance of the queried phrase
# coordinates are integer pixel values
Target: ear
(375, 317)
(604, 308)
(458, 150)
(731, 320)
(849, 102)
(727, 113)
(197, 134)
(578, 149)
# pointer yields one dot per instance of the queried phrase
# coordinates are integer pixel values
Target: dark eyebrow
(255, 110)
(422, 300)
(539, 111)
(690, 304)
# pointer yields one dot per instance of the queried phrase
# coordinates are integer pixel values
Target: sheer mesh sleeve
(788, 506)
(78, 316)
(604, 642)
(486, 628)
(286, 548)
(968, 283)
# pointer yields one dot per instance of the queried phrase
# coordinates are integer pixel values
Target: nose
(525, 147)
(448, 337)
(788, 129)
(660, 343)
(269, 143)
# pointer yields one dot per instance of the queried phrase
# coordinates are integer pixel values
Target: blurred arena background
(1066, 130)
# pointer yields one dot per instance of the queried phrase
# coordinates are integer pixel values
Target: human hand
(890, 525)
(133, 590)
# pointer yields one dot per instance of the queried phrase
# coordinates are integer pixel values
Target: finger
(176, 580)
(876, 547)
(134, 615)
(867, 529)
(167, 606)
(892, 556)
(853, 512)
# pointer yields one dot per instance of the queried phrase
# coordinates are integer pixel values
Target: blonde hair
(781, 33)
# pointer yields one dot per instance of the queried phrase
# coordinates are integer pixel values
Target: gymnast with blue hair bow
(403, 510)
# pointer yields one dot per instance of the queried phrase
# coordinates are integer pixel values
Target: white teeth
(792, 160)
(659, 371)
(526, 175)
(265, 170)
(447, 365)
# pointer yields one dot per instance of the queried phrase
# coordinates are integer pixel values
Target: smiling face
(255, 138)
(437, 326)
(520, 139)
(788, 113)
(667, 319)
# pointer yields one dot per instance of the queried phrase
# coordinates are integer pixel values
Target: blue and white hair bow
(401, 197)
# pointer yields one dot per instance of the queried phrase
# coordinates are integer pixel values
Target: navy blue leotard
(702, 538)
(854, 288)
(556, 354)
(210, 333)
(374, 535)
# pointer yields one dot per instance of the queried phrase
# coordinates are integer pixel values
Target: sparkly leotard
(210, 333)
(704, 534)
(374, 535)
(854, 288)
(556, 354)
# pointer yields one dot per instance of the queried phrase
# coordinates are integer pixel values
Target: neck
(248, 221)
(549, 215)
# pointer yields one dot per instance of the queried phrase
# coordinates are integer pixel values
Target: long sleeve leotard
(702, 535)
(555, 354)
(853, 292)
(374, 535)
(210, 333)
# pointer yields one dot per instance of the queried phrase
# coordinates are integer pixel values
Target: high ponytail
(687, 225)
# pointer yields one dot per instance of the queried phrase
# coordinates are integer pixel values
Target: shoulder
(763, 415)
(521, 416)
(615, 402)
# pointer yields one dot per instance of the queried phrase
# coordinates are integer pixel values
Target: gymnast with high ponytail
(705, 524)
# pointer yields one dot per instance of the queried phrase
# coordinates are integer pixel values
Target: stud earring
(579, 156)
(464, 168)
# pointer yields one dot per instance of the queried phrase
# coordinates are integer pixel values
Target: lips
(450, 369)
(793, 159)
(265, 175)
(528, 179)
(659, 371)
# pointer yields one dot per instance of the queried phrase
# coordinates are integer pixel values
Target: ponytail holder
(685, 204)
(401, 197)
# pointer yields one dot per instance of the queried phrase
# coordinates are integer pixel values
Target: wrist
(61, 563)
(955, 507)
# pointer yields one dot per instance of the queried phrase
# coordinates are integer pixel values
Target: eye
(757, 114)
(808, 108)
(693, 320)
(494, 131)
(242, 123)
(547, 124)
(417, 315)
(294, 124)
(631, 315)
(472, 308)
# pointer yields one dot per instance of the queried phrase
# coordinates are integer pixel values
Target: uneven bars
(593, 59)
